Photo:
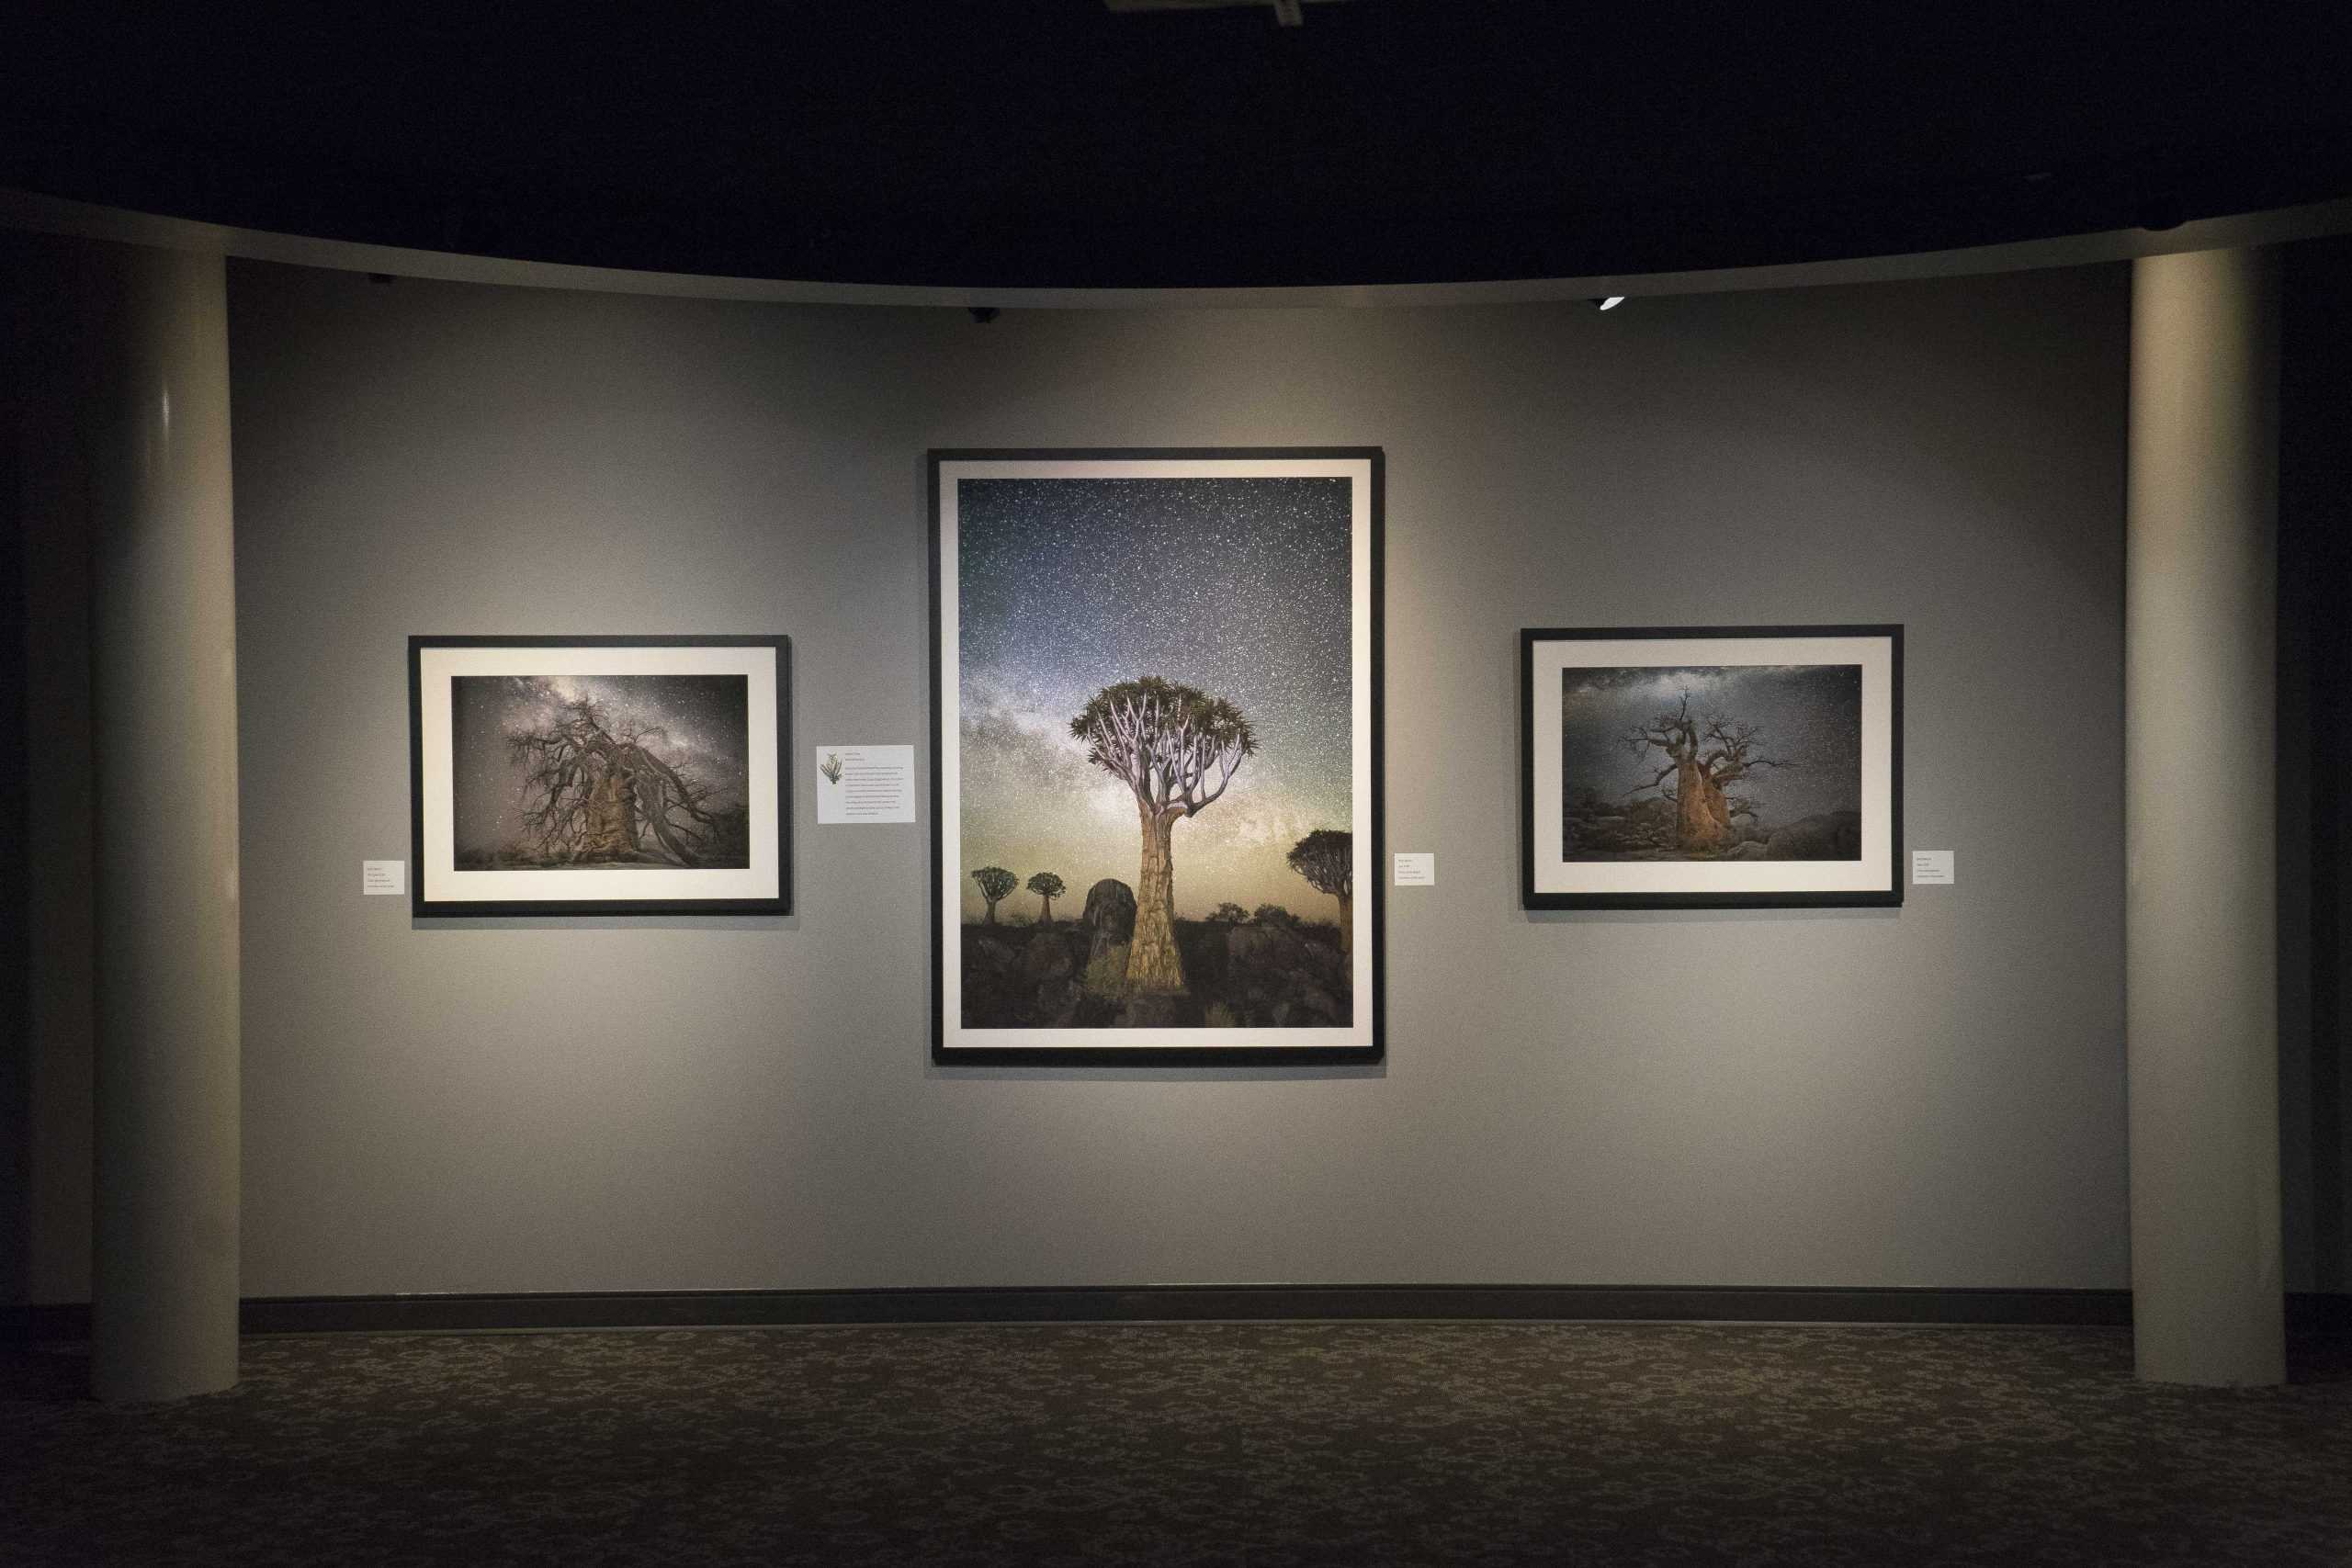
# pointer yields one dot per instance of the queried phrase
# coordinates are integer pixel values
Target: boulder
(1151, 1011)
(1058, 1003)
(1110, 917)
(1830, 835)
(1045, 958)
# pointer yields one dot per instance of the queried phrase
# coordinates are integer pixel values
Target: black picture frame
(945, 1052)
(425, 878)
(1534, 897)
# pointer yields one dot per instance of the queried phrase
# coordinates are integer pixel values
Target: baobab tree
(996, 885)
(1165, 742)
(1703, 757)
(1327, 858)
(596, 790)
(1047, 887)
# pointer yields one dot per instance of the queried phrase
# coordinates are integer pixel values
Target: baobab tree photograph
(1159, 727)
(1771, 773)
(600, 772)
(1741, 762)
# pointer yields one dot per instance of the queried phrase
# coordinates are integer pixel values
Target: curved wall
(1932, 1096)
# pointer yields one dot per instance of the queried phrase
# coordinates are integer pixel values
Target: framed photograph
(1156, 756)
(1711, 767)
(600, 775)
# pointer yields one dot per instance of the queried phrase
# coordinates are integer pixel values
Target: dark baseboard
(1195, 1303)
(1191, 1304)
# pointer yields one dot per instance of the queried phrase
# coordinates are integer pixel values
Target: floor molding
(691, 1309)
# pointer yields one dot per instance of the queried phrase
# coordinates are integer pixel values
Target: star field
(1237, 586)
(706, 718)
(1810, 715)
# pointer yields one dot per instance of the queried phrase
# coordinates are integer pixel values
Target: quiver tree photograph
(996, 885)
(1327, 858)
(607, 772)
(1048, 887)
(1155, 676)
(1176, 749)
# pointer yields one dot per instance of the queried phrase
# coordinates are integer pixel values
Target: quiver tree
(1176, 749)
(996, 884)
(1702, 756)
(1047, 887)
(594, 789)
(1327, 858)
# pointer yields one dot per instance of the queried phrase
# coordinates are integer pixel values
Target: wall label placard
(1931, 867)
(1417, 871)
(389, 876)
(865, 784)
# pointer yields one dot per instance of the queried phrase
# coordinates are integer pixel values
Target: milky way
(1237, 586)
(705, 720)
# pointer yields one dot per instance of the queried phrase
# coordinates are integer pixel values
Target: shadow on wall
(15, 1003)
(2315, 759)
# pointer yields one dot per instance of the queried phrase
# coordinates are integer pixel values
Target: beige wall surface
(1929, 1096)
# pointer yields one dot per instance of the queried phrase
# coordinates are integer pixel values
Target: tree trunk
(989, 919)
(1346, 925)
(612, 819)
(1702, 821)
(1153, 962)
(1048, 918)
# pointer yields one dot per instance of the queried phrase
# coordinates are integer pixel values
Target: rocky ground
(1644, 831)
(1256, 974)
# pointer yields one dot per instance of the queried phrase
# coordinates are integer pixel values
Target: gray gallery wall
(1927, 1096)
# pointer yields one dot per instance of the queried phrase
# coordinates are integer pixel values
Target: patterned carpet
(1245, 1445)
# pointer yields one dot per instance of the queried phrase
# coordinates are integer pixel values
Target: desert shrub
(1220, 1015)
(1274, 915)
(1229, 915)
(1108, 975)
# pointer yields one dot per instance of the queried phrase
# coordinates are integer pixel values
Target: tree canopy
(1327, 858)
(594, 787)
(1163, 741)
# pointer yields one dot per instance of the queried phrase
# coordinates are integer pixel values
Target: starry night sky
(708, 717)
(1811, 714)
(1237, 586)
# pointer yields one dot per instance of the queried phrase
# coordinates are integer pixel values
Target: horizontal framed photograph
(600, 775)
(1711, 767)
(1156, 756)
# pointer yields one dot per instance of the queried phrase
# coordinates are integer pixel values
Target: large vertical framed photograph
(1711, 767)
(600, 775)
(1156, 756)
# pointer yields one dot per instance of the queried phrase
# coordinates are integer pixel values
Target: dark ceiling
(1052, 142)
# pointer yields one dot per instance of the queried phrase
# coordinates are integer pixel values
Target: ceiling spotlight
(1610, 303)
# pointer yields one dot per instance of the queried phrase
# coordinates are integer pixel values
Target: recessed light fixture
(1610, 303)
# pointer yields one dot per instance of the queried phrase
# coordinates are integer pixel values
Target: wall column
(2200, 960)
(165, 722)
